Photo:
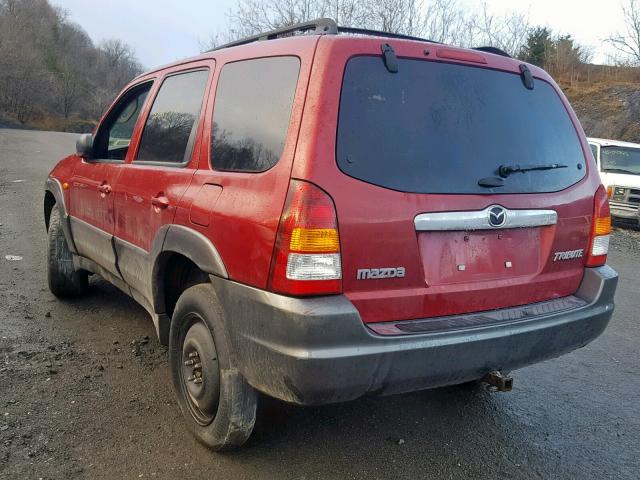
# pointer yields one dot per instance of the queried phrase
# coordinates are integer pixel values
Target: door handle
(105, 188)
(160, 202)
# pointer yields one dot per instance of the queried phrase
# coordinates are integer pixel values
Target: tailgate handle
(480, 219)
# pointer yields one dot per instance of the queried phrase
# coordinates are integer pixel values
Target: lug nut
(193, 354)
(188, 363)
(198, 380)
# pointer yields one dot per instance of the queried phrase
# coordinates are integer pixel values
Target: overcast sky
(162, 31)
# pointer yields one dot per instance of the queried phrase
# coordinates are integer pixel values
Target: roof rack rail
(328, 26)
(494, 50)
(379, 33)
(321, 26)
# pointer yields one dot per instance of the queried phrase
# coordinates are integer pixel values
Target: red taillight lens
(306, 259)
(600, 230)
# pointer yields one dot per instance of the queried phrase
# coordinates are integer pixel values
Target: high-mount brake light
(306, 259)
(600, 230)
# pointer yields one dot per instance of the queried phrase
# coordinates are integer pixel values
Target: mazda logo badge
(497, 216)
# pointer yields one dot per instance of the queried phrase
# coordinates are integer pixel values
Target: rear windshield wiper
(506, 170)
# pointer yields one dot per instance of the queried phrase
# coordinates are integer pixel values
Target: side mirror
(84, 146)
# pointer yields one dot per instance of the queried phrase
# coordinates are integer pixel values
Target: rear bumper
(314, 351)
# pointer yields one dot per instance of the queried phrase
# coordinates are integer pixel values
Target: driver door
(91, 200)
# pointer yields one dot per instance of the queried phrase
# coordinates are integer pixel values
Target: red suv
(323, 216)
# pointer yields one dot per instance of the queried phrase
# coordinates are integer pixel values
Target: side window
(170, 130)
(114, 135)
(252, 112)
(594, 150)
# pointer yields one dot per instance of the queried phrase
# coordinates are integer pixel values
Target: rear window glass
(439, 128)
(620, 160)
(251, 113)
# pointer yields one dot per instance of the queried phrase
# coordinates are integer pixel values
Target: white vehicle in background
(619, 165)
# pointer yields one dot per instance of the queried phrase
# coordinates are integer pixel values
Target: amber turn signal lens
(323, 240)
(610, 191)
(65, 186)
(602, 226)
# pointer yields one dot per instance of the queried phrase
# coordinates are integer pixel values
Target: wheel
(216, 401)
(64, 279)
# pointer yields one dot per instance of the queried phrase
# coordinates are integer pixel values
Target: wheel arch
(53, 196)
(182, 257)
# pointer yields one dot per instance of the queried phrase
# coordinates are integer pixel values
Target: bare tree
(508, 32)
(346, 12)
(628, 42)
(250, 17)
(50, 71)
(443, 21)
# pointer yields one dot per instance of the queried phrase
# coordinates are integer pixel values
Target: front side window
(114, 135)
(620, 160)
(170, 130)
(252, 112)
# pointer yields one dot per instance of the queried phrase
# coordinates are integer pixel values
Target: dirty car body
(368, 214)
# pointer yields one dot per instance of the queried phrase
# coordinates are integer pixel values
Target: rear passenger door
(152, 183)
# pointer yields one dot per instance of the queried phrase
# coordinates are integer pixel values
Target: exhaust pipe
(498, 382)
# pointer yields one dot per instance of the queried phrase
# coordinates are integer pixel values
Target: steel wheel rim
(199, 370)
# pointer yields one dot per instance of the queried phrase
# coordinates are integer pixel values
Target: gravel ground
(85, 389)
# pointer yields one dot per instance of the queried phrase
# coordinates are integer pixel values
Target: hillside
(607, 109)
(52, 75)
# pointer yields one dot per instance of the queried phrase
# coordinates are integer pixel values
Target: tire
(64, 279)
(216, 401)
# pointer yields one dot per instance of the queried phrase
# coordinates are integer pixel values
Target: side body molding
(53, 186)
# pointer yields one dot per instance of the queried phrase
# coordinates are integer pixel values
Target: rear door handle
(160, 202)
(105, 188)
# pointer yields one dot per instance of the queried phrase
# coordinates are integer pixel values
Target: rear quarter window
(439, 128)
(252, 112)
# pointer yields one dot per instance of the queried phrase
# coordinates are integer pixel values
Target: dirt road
(85, 389)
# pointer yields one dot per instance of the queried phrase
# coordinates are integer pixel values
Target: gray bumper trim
(624, 210)
(317, 350)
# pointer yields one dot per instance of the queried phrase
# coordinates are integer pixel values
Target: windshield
(439, 128)
(620, 160)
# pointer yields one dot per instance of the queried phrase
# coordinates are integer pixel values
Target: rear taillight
(306, 259)
(600, 230)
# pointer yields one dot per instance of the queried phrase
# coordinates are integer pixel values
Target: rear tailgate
(419, 236)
